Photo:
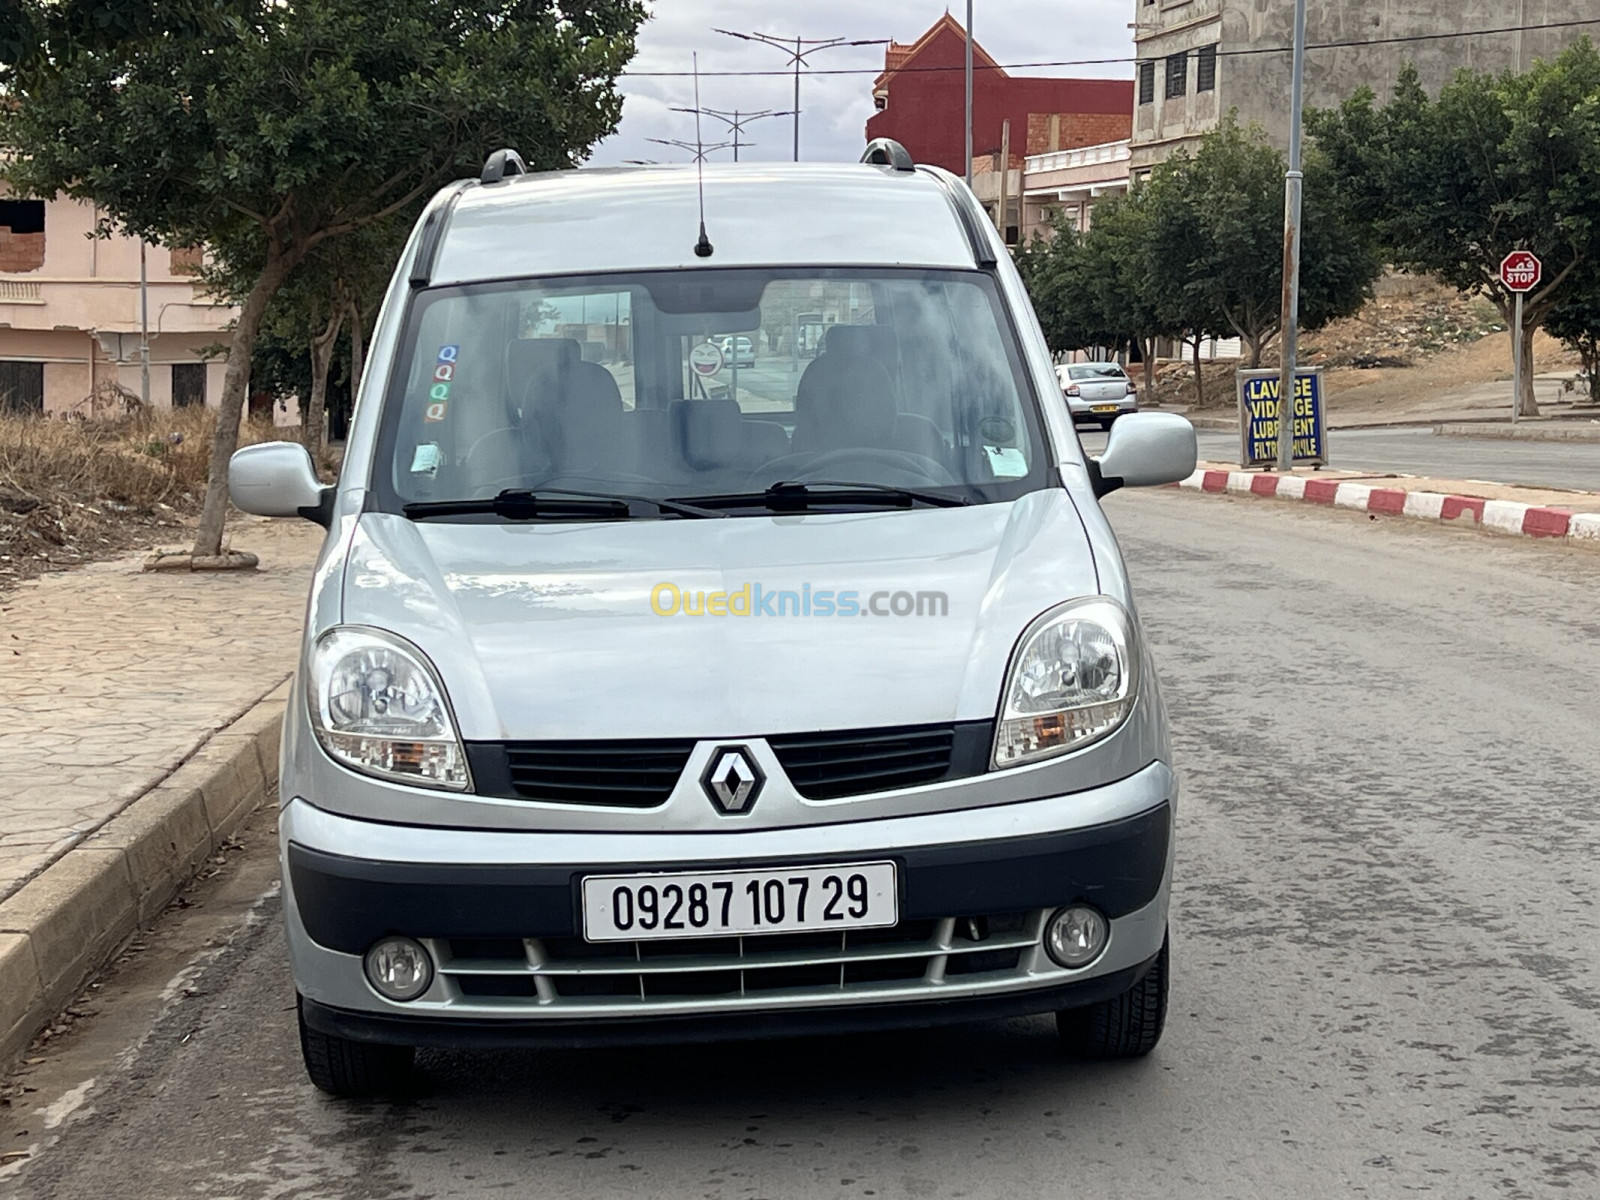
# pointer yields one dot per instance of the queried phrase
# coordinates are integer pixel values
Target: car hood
(549, 630)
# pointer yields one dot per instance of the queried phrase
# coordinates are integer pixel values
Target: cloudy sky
(834, 107)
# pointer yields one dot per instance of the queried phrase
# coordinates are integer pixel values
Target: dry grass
(78, 488)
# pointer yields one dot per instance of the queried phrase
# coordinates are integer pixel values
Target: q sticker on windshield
(444, 372)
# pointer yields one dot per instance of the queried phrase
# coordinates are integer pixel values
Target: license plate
(1105, 408)
(631, 908)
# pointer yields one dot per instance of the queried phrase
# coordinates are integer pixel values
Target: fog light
(1076, 935)
(398, 968)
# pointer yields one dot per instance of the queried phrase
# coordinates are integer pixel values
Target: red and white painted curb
(1502, 516)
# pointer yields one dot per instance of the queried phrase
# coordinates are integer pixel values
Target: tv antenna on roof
(703, 247)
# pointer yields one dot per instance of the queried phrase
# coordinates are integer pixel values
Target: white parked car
(626, 714)
(1098, 391)
(739, 351)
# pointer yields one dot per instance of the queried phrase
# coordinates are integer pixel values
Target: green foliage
(1575, 320)
(1218, 231)
(263, 129)
(1494, 164)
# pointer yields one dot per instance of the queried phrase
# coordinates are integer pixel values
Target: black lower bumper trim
(560, 1032)
(348, 903)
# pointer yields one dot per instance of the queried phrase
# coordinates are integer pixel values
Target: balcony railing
(1084, 156)
(20, 291)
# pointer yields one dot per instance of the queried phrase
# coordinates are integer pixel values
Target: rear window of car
(1090, 371)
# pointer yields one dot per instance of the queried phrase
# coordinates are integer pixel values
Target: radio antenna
(702, 248)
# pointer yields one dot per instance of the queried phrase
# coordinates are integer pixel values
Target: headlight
(1073, 679)
(377, 706)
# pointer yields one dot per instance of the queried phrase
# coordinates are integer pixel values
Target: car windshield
(1092, 371)
(710, 382)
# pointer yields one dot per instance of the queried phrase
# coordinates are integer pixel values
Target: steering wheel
(892, 468)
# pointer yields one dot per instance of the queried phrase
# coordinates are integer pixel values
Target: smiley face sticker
(444, 373)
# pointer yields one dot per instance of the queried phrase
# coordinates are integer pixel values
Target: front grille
(906, 961)
(620, 774)
(838, 763)
(643, 773)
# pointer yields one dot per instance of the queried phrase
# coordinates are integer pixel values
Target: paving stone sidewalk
(110, 678)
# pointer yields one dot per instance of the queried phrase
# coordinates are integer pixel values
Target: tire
(1125, 1026)
(350, 1069)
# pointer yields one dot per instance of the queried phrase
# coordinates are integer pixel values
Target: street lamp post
(1294, 191)
(698, 149)
(736, 121)
(799, 50)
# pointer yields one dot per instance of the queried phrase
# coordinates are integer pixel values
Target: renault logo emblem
(732, 779)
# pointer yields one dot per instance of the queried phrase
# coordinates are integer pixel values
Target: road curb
(1501, 516)
(67, 922)
(1522, 433)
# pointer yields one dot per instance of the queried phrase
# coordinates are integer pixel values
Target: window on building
(188, 385)
(1147, 82)
(22, 216)
(1205, 69)
(880, 101)
(21, 235)
(1177, 74)
(21, 387)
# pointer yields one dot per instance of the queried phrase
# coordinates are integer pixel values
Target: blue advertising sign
(1258, 418)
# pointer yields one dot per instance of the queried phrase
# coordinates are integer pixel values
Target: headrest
(869, 341)
(527, 356)
(709, 432)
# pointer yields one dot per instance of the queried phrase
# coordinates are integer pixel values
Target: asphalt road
(1573, 465)
(1385, 931)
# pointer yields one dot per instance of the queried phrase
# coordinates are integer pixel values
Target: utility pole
(144, 331)
(800, 50)
(736, 121)
(1294, 194)
(969, 92)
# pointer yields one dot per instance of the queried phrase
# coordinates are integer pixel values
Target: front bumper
(501, 914)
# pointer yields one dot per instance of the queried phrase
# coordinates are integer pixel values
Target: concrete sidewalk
(135, 735)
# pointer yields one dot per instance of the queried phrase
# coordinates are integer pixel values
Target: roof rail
(886, 152)
(500, 164)
(433, 227)
(982, 249)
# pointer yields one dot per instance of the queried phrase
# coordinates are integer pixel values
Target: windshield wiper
(792, 495)
(531, 504)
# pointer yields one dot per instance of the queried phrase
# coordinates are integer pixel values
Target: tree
(1219, 235)
(1096, 288)
(1575, 319)
(263, 129)
(1495, 164)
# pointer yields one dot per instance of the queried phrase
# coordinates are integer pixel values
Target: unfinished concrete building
(1199, 59)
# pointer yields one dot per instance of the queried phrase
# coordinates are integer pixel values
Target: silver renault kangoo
(654, 689)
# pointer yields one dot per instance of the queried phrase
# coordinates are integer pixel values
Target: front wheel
(350, 1069)
(1125, 1026)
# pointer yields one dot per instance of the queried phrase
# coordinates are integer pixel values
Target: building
(1070, 183)
(1199, 59)
(921, 103)
(69, 314)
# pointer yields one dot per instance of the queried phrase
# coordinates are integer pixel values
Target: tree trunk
(235, 387)
(1255, 345)
(316, 414)
(1147, 351)
(1527, 405)
(1199, 376)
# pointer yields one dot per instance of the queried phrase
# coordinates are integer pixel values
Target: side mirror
(277, 479)
(1145, 450)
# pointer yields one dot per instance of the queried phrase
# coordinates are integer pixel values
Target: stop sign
(1521, 271)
